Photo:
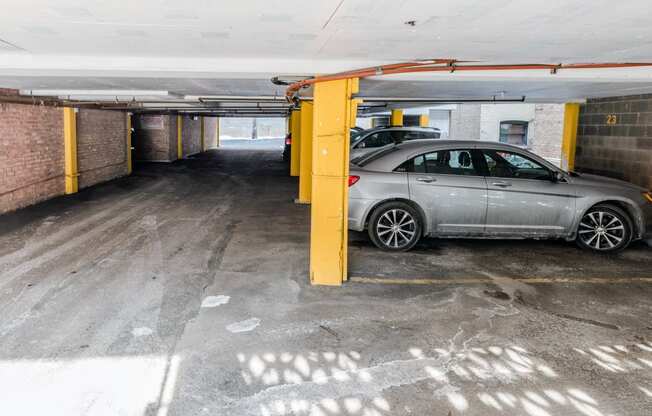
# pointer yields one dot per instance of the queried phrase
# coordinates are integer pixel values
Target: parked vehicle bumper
(358, 210)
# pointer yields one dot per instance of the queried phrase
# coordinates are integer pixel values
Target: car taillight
(288, 139)
(353, 179)
(646, 195)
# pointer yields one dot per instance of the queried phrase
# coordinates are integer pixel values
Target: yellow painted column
(305, 159)
(201, 133)
(70, 150)
(179, 139)
(397, 118)
(295, 149)
(569, 138)
(129, 161)
(333, 114)
(424, 120)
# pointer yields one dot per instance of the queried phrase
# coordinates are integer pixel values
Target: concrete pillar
(397, 118)
(70, 150)
(333, 116)
(295, 153)
(569, 138)
(305, 159)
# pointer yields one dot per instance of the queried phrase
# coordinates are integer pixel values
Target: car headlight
(648, 195)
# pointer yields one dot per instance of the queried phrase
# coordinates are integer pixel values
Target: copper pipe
(446, 65)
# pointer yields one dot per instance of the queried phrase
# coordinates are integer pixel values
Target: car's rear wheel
(395, 226)
(605, 229)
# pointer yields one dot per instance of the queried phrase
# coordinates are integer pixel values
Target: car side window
(398, 135)
(428, 135)
(445, 162)
(501, 164)
(379, 139)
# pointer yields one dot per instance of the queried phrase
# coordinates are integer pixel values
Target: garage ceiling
(211, 47)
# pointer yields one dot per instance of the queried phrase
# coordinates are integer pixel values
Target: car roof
(401, 128)
(405, 150)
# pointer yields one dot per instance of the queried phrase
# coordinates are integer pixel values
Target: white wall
(492, 114)
(440, 119)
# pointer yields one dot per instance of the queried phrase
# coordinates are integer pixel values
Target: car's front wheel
(395, 226)
(604, 228)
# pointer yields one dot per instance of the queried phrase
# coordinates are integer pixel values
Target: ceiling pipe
(241, 98)
(439, 100)
(445, 65)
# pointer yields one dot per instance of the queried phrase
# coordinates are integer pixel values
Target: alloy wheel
(396, 228)
(602, 230)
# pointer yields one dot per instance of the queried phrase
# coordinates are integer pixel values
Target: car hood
(596, 180)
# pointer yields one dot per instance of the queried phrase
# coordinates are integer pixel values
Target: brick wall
(615, 138)
(191, 138)
(547, 131)
(31, 155)
(155, 138)
(101, 146)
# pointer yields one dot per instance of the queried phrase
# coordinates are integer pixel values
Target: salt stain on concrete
(213, 301)
(243, 326)
(141, 331)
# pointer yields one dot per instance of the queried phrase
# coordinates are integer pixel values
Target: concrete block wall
(101, 146)
(191, 136)
(614, 138)
(31, 155)
(32, 152)
(465, 122)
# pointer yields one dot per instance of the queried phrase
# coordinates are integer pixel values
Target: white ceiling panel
(213, 46)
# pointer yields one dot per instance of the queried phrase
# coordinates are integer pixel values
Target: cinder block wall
(191, 136)
(101, 146)
(615, 138)
(31, 155)
(465, 122)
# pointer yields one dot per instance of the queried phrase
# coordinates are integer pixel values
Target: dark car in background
(372, 139)
(355, 132)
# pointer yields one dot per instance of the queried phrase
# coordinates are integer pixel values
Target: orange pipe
(445, 65)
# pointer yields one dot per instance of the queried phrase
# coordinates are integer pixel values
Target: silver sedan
(476, 189)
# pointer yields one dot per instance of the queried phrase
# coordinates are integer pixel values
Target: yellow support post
(397, 118)
(129, 161)
(424, 120)
(305, 158)
(70, 150)
(179, 141)
(201, 133)
(295, 149)
(333, 112)
(569, 138)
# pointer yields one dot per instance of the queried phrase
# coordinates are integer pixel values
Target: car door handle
(426, 179)
(502, 184)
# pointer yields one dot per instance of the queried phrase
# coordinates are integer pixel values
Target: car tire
(604, 229)
(395, 226)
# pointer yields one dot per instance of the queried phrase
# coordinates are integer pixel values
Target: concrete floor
(183, 290)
